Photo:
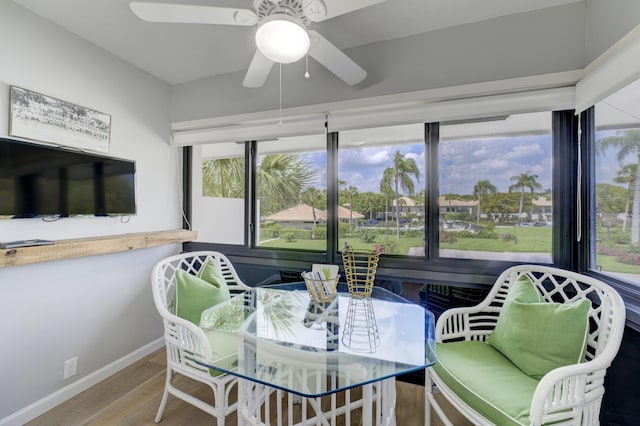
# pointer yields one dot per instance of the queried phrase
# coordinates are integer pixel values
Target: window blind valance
(453, 110)
(468, 102)
(263, 129)
(610, 72)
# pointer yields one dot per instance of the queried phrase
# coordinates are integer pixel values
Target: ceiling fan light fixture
(282, 38)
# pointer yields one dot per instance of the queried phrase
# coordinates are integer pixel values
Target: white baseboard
(50, 401)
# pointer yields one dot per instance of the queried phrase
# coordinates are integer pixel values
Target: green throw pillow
(211, 273)
(538, 337)
(193, 295)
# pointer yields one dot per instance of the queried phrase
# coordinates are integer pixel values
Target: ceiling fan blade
(192, 14)
(334, 59)
(319, 10)
(258, 70)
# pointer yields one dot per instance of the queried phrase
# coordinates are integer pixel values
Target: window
(291, 190)
(218, 192)
(491, 189)
(381, 189)
(615, 227)
(495, 189)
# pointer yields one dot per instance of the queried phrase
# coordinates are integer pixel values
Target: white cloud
(525, 151)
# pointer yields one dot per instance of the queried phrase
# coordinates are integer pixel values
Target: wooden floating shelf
(79, 247)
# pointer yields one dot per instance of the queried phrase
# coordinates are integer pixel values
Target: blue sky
(462, 164)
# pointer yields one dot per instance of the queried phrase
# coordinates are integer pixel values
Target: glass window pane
(381, 189)
(218, 192)
(291, 185)
(495, 189)
(616, 235)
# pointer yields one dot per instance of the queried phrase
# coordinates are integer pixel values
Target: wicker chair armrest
(569, 392)
(187, 336)
(468, 323)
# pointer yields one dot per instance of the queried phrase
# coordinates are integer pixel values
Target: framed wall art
(42, 118)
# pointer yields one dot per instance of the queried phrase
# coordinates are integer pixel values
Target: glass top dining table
(277, 336)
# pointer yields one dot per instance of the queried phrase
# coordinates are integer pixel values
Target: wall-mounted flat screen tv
(39, 181)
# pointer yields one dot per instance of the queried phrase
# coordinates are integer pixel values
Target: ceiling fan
(282, 36)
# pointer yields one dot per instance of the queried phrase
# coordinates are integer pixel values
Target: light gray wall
(97, 308)
(607, 22)
(545, 41)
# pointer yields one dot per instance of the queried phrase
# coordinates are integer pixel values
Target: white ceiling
(178, 53)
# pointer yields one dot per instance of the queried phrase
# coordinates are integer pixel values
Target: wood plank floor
(131, 397)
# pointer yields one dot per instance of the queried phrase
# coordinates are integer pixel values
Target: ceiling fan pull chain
(280, 122)
(306, 73)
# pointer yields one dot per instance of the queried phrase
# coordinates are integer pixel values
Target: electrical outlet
(70, 368)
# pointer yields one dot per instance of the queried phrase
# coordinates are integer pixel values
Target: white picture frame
(39, 117)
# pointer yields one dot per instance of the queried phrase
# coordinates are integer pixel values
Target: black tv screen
(37, 180)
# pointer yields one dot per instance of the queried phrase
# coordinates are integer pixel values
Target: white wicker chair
(184, 340)
(309, 370)
(567, 395)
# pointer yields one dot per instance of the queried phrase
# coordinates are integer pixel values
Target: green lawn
(610, 264)
(529, 239)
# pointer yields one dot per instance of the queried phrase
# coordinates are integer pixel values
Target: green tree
(501, 204)
(223, 178)
(280, 179)
(397, 177)
(419, 198)
(368, 203)
(627, 142)
(312, 196)
(349, 194)
(483, 187)
(627, 174)
(524, 181)
(609, 199)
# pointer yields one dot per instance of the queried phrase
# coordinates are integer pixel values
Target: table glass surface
(279, 337)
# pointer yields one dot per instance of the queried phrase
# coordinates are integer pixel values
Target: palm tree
(397, 177)
(627, 142)
(627, 174)
(483, 187)
(223, 178)
(350, 192)
(523, 182)
(280, 180)
(312, 197)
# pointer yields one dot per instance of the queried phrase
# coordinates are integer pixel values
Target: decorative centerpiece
(360, 270)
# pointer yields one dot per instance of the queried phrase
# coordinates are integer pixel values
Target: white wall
(217, 219)
(539, 42)
(97, 308)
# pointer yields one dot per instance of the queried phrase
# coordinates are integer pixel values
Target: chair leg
(165, 396)
(428, 389)
(221, 403)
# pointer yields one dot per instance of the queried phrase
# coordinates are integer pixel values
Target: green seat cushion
(193, 295)
(224, 350)
(539, 337)
(486, 381)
